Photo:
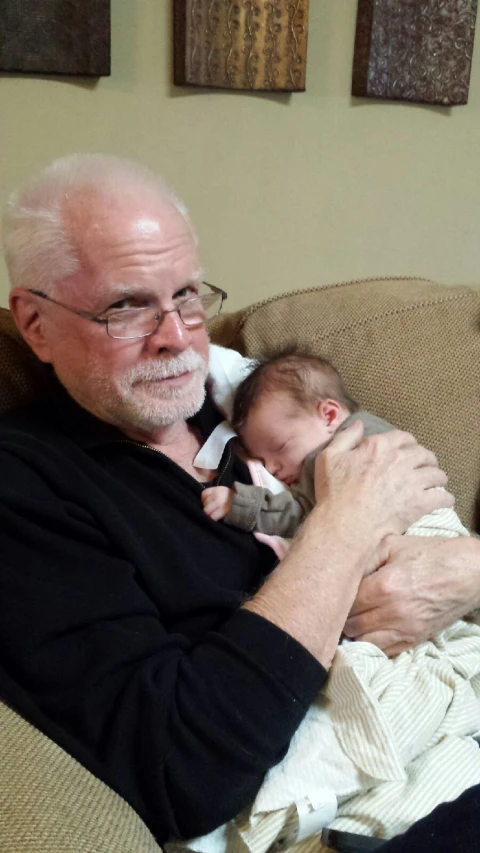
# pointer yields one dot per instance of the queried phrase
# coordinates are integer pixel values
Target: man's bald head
(46, 221)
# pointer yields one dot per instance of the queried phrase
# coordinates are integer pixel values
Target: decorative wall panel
(414, 50)
(55, 36)
(241, 44)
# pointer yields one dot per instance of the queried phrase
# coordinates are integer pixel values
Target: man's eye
(126, 304)
(186, 292)
(122, 303)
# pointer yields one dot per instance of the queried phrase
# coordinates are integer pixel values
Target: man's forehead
(126, 246)
(147, 225)
(94, 216)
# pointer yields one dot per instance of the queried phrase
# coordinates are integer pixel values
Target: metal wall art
(414, 50)
(55, 36)
(241, 44)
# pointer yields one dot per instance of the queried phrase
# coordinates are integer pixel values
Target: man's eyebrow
(121, 291)
(107, 296)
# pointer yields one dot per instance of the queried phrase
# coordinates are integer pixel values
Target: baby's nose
(274, 468)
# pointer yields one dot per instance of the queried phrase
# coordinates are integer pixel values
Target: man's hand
(379, 485)
(424, 585)
(217, 501)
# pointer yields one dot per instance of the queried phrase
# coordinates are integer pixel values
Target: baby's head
(286, 407)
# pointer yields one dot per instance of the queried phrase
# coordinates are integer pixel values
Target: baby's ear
(330, 413)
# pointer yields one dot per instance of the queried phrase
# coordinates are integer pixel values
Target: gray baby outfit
(256, 508)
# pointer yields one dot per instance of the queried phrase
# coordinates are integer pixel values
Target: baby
(286, 411)
(389, 738)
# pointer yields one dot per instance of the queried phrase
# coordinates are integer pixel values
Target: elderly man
(155, 645)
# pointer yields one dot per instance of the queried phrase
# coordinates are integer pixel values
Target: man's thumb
(347, 438)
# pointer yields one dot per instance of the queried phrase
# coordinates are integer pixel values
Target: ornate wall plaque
(55, 36)
(414, 50)
(241, 44)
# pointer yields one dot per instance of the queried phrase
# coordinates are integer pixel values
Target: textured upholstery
(50, 804)
(409, 350)
(21, 374)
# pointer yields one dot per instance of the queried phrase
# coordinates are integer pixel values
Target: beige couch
(409, 350)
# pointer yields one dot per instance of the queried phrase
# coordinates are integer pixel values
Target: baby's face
(281, 434)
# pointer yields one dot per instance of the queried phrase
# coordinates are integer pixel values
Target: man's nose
(172, 335)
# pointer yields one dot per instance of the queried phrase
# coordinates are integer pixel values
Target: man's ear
(331, 413)
(29, 321)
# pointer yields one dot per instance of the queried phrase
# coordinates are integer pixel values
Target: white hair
(37, 246)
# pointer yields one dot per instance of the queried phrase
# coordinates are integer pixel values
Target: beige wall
(287, 191)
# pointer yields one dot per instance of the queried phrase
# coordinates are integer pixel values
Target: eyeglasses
(143, 322)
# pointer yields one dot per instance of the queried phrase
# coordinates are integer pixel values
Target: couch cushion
(49, 803)
(22, 375)
(408, 349)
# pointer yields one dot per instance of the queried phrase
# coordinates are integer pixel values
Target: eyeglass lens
(141, 322)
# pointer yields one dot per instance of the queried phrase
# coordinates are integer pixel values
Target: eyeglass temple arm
(217, 290)
(102, 320)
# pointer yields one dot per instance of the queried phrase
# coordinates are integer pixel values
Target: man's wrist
(353, 542)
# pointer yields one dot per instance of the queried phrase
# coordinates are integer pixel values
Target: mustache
(165, 368)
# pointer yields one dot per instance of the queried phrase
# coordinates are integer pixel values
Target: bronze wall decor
(241, 44)
(414, 50)
(55, 36)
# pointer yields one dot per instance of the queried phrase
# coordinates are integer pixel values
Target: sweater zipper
(154, 450)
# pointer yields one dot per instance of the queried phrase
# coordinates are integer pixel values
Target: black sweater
(121, 630)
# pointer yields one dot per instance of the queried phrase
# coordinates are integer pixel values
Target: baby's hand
(217, 501)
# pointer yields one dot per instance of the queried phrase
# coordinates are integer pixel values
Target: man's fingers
(432, 478)
(356, 626)
(399, 438)
(439, 498)
(389, 642)
(347, 438)
(421, 457)
(397, 649)
(367, 597)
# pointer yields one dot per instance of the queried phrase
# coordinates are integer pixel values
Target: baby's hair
(306, 377)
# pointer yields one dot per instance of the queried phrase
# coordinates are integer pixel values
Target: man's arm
(185, 730)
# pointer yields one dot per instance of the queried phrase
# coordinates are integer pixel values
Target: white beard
(136, 402)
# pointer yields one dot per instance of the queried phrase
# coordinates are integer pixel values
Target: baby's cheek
(297, 467)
